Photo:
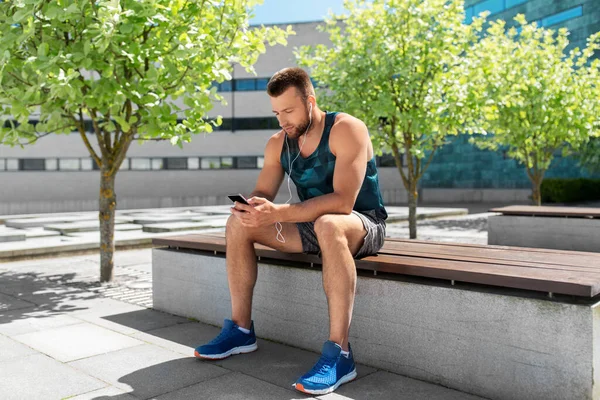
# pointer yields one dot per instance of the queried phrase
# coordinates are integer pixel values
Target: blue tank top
(313, 175)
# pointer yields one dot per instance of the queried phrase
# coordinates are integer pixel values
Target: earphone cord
(278, 225)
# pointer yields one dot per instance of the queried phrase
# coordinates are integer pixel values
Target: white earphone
(278, 226)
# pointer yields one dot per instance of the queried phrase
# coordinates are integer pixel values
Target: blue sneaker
(332, 370)
(229, 342)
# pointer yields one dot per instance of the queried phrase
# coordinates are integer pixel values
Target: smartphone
(239, 198)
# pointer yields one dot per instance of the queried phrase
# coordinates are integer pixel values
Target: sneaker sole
(236, 350)
(345, 379)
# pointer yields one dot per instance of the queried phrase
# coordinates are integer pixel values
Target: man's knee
(328, 230)
(234, 228)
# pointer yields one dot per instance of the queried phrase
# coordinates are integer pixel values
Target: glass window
(245, 85)
(2, 164)
(210, 163)
(32, 164)
(225, 86)
(493, 6)
(261, 83)
(260, 162)
(157, 163)
(176, 163)
(140, 164)
(51, 164)
(193, 163)
(226, 162)
(68, 164)
(512, 3)
(246, 162)
(386, 160)
(562, 16)
(87, 164)
(124, 165)
(12, 164)
(468, 15)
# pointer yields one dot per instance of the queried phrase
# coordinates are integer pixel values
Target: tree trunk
(108, 205)
(536, 195)
(412, 208)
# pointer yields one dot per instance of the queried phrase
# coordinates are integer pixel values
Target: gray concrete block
(42, 378)
(176, 226)
(74, 342)
(578, 234)
(11, 237)
(147, 371)
(487, 344)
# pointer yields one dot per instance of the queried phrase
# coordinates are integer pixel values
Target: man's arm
(349, 142)
(270, 177)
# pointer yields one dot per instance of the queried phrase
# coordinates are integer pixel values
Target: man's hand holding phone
(254, 212)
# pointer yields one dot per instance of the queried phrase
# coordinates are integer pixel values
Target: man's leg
(340, 237)
(241, 261)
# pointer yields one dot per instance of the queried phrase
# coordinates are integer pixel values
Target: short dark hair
(291, 77)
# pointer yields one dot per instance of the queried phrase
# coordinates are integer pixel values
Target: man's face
(291, 112)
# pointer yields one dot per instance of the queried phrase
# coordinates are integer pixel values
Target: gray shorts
(373, 241)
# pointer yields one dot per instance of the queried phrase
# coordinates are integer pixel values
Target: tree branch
(80, 127)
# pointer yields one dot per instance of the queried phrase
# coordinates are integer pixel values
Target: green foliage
(536, 100)
(132, 66)
(400, 66)
(557, 190)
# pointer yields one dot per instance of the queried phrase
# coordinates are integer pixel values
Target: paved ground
(62, 335)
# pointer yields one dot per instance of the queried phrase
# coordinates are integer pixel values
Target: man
(341, 216)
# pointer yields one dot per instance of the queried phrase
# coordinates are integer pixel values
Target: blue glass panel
(245, 85)
(468, 15)
(261, 83)
(512, 3)
(562, 16)
(225, 86)
(493, 6)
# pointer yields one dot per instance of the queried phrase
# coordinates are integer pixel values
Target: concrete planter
(510, 345)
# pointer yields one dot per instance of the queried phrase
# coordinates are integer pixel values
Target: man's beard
(299, 130)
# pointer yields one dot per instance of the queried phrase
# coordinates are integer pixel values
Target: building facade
(58, 175)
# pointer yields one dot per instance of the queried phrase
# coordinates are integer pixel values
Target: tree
(537, 100)
(129, 68)
(401, 67)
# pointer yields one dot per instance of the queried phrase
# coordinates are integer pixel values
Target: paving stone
(11, 303)
(75, 342)
(134, 321)
(181, 338)
(32, 320)
(108, 393)
(12, 349)
(40, 377)
(146, 371)
(384, 385)
(232, 386)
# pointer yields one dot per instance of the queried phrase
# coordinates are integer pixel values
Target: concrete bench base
(578, 234)
(489, 344)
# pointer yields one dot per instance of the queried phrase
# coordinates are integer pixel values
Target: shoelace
(221, 335)
(322, 366)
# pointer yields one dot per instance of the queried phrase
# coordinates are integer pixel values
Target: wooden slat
(572, 212)
(512, 256)
(552, 252)
(521, 276)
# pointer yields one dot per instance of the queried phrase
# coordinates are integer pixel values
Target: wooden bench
(563, 228)
(495, 321)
